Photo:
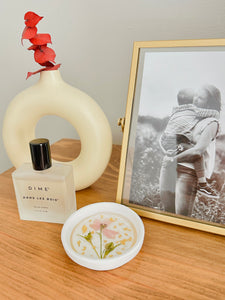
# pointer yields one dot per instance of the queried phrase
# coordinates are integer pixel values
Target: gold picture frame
(154, 63)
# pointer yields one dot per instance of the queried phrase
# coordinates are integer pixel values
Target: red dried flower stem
(43, 55)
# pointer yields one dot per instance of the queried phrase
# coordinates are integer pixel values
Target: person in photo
(178, 178)
(178, 135)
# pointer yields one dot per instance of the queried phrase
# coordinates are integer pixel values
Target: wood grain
(174, 262)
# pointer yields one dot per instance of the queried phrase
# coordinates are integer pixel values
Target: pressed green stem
(94, 248)
(88, 239)
(110, 250)
(101, 226)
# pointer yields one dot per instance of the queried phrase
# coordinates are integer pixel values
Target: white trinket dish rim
(106, 263)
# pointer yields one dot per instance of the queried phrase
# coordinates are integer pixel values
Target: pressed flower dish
(103, 236)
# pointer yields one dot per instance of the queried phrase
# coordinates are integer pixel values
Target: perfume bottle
(44, 191)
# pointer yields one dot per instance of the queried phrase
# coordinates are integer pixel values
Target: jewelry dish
(103, 236)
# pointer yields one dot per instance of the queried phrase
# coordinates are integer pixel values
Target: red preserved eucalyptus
(52, 68)
(31, 19)
(43, 55)
(29, 32)
(41, 39)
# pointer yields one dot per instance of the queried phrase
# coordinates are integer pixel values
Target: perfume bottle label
(41, 200)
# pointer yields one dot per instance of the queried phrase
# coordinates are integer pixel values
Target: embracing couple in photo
(188, 143)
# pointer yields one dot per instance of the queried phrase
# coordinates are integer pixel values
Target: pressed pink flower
(97, 223)
(111, 234)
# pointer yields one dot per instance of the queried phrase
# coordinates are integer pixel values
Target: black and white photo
(175, 160)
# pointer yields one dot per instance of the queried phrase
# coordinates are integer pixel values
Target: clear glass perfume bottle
(44, 192)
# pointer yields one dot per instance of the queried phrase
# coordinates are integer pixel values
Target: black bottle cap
(40, 154)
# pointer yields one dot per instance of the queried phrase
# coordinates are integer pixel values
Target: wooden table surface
(174, 262)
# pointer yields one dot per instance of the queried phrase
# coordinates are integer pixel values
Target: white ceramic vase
(52, 96)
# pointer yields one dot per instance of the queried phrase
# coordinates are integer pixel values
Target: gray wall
(93, 40)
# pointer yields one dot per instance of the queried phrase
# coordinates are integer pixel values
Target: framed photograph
(172, 165)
